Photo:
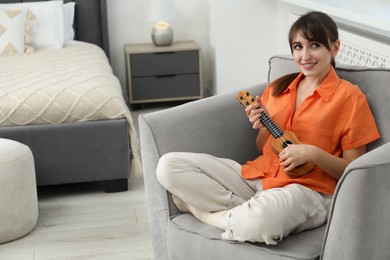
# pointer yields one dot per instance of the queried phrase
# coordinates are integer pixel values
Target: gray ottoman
(18, 191)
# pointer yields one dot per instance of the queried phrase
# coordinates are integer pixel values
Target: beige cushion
(15, 29)
(12, 30)
(48, 25)
(18, 192)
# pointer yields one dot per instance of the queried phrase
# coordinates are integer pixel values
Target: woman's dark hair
(313, 26)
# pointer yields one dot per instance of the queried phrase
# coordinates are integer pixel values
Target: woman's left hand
(298, 154)
(293, 156)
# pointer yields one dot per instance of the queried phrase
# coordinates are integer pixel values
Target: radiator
(362, 51)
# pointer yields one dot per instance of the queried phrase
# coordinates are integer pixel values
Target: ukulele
(281, 138)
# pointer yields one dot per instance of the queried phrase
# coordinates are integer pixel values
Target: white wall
(242, 37)
(373, 13)
(237, 37)
(370, 15)
(128, 24)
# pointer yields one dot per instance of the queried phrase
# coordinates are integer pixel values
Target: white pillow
(68, 9)
(12, 30)
(48, 25)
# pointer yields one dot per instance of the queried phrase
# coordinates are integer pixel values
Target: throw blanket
(73, 84)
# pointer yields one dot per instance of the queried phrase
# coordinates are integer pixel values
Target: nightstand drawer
(164, 63)
(163, 73)
(172, 87)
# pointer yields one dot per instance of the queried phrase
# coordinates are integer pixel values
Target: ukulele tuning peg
(241, 98)
(252, 99)
(247, 103)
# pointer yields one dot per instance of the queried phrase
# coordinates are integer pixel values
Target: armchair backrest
(374, 83)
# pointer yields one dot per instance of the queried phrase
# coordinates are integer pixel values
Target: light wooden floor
(81, 221)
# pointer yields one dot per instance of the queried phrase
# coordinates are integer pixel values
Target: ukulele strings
(273, 128)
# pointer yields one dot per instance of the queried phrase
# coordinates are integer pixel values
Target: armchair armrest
(216, 125)
(358, 226)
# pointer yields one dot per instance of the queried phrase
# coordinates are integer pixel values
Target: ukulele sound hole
(286, 143)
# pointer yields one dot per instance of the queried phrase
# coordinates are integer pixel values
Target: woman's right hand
(254, 111)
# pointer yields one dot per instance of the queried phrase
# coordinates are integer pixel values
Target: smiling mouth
(308, 66)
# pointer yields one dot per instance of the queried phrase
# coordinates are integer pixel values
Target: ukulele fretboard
(275, 130)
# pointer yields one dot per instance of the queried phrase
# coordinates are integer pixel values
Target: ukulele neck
(275, 130)
(246, 99)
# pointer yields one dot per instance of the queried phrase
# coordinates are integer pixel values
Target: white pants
(212, 184)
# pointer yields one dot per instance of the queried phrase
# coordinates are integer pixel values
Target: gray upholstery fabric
(68, 153)
(279, 66)
(359, 226)
(89, 15)
(184, 232)
(217, 125)
(183, 128)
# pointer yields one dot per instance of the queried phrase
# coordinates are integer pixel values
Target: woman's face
(313, 58)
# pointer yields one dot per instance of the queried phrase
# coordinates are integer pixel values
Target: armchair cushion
(185, 231)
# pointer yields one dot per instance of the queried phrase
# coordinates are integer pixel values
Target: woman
(265, 200)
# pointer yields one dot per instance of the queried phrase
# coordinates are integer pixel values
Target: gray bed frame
(80, 152)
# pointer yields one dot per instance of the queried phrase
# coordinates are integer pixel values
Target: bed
(90, 137)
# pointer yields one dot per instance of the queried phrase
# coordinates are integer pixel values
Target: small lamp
(160, 12)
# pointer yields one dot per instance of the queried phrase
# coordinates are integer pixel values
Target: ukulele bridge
(286, 143)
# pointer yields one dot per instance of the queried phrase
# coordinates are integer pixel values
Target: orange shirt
(335, 117)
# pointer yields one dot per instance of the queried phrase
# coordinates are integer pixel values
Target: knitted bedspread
(73, 84)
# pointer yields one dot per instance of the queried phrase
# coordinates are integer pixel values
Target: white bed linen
(73, 84)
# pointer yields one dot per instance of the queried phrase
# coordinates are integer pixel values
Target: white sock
(217, 219)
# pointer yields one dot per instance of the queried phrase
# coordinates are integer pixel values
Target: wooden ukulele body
(278, 144)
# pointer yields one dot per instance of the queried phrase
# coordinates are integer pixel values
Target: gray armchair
(359, 222)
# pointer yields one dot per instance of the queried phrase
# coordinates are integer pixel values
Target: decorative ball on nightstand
(162, 34)
(161, 11)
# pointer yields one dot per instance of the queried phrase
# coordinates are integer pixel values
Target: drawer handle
(166, 76)
(162, 53)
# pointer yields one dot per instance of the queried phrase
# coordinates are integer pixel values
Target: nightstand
(159, 74)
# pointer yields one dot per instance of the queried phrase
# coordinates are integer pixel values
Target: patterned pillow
(48, 26)
(12, 30)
